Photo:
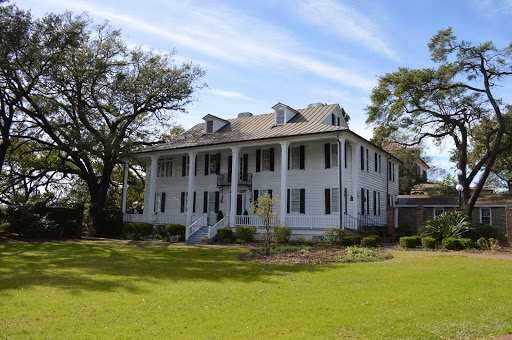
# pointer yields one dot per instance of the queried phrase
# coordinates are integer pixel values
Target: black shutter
(345, 155)
(367, 160)
(245, 167)
(183, 203)
(162, 203)
(362, 158)
(217, 169)
(339, 121)
(327, 201)
(217, 194)
(367, 202)
(376, 163)
(206, 163)
(258, 160)
(194, 203)
(205, 202)
(270, 193)
(230, 168)
(195, 167)
(302, 201)
(289, 150)
(327, 155)
(362, 201)
(288, 201)
(239, 205)
(184, 166)
(271, 159)
(256, 195)
(375, 203)
(333, 120)
(302, 160)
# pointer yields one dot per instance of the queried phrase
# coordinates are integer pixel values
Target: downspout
(340, 184)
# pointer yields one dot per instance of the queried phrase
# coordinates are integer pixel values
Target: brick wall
(407, 216)
(420, 218)
(391, 220)
(508, 213)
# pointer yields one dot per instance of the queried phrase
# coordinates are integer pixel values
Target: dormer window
(280, 117)
(209, 126)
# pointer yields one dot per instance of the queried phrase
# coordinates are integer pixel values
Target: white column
(191, 179)
(125, 187)
(284, 181)
(152, 188)
(234, 186)
(341, 164)
(356, 168)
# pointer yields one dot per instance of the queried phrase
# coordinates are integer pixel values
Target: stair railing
(191, 229)
(212, 231)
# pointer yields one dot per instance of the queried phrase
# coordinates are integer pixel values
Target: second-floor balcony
(225, 179)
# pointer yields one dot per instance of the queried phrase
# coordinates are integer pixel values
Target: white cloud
(346, 23)
(231, 95)
(230, 36)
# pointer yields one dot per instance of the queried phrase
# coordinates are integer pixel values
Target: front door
(241, 202)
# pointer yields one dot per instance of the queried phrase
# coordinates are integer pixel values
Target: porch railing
(136, 218)
(191, 229)
(212, 231)
(253, 221)
(312, 221)
(169, 219)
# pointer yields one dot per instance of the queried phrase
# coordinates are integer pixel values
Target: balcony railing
(225, 180)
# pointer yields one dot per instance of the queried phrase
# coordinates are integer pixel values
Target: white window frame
(295, 200)
(335, 203)
(187, 167)
(280, 116)
(213, 164)
(435, 213)
(211, 201)
(334, 155)
(482, 215)
(265, 159)
(295, 157)
(209, 126)
(185, 208)
(158, 202)
(165, 167)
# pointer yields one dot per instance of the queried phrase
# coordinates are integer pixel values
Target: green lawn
(117, 290)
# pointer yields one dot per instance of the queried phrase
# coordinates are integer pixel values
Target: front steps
(196, 237)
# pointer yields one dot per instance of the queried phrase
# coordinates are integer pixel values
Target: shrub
(410, 241)
(137, 231)
(176, 229)
(429, 242)
(482, 243)
(490, 244)
(486, 231)
(371, 241)
(105, 222)
(245, 233)
(67, 220)
(225, 234)
(403, 230)
(450, 224)
(452, 243)
(31, 221)
(347, 241)
(466, 243)
(282, 234)
(332, 235)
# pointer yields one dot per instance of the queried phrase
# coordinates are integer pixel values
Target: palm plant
(449, 224)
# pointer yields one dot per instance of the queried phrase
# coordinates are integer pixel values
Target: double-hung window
(265, 159)
(213, 163)
(295, 157)
(334, 155)
(165, 167)
(295, 200)
(485, 216)
(209, 126)
(280, 117)
(438, 211)
(335, 203)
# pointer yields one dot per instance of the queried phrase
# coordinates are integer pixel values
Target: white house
(309, 157)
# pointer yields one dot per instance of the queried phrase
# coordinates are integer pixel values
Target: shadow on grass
(109, 266)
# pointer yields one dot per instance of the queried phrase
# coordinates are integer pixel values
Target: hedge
(245, 233)
(225, 234)
(410, 241)
(282, 234)
(371, 241)
(136, 231)
(429, 242)
(347, 241)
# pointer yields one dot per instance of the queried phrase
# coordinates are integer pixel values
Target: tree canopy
(85, 99)
(449, 101)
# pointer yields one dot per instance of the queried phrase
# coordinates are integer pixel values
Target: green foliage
(429, 242)
(225, 235)
(447, 225)
(136, 231)
(347, 241)
(68, 220)
(451, 243)
(403, 230)
(410, 241)
(466, 243)
(176, 229)
(446, 185)
(282, 234)
(105, 222)
(264, 209)
(490, 244)
(333, 235)
(360, 254)
(245, 233)
(486, 231)
(31, 221)
(371, 241)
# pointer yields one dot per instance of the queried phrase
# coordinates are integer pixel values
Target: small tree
(264, 208)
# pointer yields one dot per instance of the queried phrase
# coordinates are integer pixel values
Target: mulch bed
(312, 256)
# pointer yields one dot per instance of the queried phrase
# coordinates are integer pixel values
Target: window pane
(265, 159)
(211, 201)
(335, 205)
(209, 126)
(280, 117)
(295, 206)
(213, 164)
(486, 215)
(334, 155)
(295, 156)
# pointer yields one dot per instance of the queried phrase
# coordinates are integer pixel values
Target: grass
(119, 290)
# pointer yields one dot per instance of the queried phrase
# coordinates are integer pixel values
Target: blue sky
(259, 53)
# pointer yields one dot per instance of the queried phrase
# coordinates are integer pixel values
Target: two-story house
(325, 174)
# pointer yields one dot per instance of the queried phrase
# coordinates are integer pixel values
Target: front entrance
(241, 202)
